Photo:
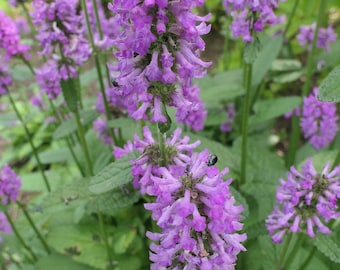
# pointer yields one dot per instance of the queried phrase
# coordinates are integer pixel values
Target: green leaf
(329, 89)
(78, 241)
(326, 245)
(222, 86)
(123, 238)
(288, 77)
(128, 126)
(216, 116)
(70, 93)
(265, 58)
(226, 157)
(285, 65)
(118, 198)
(251, 51)
(271, 108)
(55, 156)
(113, 175)
(70, 125)
(58, 262)
(240, 200)
(255, 230)
(21, 73)
(320, 159)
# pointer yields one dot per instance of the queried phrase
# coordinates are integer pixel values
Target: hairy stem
(18, 235)
(34, 227)
(245, 116)
(284, 251)
(29, 138)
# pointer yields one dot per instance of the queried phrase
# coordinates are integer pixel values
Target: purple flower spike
(178, 152)
(318, 121)
(48, 79)
(324, 38)
(308, 199)
(10, 185)
(5, 227)
(61, 27)
(198, 218)
(10, 38)
(250, 15)
(158, 57)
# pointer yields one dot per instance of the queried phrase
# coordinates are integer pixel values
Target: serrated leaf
(265, 58)
(251, 50)
(329, 89)
(223, 86)
(226, 157)
(70, 125)
(118, 198)
(113, 175)
(328, 247)
(78, 241)
(70, 93)
(272, 108)
(255, 230)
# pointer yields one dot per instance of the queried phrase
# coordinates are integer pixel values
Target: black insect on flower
(212, 160)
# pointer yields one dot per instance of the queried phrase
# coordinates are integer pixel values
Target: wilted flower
(318, 121)
(10, 185)
(324, 38)
(306, 200)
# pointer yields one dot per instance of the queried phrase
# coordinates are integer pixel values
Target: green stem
(99, 71)
(78, 88)
(100, 30)
(245, 115)
(17, 234)
(291, 16)
(83, 143)
(296, 247)
(284, 251)
(306, 261)
(104, 236)
(336, 160)
(28, 64)
(29, 138)
(28, 17)
(161, 143)
(293, 141)
(34, 227)
(311, 56)
(69, 145)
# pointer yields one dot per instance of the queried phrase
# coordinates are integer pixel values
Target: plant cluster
(135, 152)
